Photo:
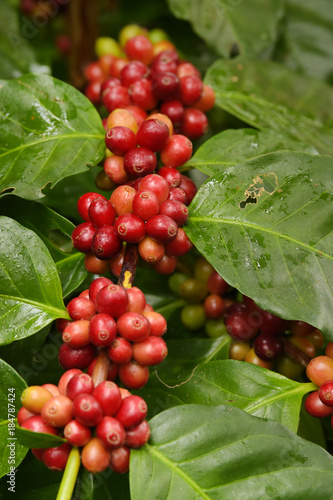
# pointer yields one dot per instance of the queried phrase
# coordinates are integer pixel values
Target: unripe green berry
(193, 316)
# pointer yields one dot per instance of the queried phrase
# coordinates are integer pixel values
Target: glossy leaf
(37, 439)
(252, 91)
(223, 24)
(30, 289)
(265, 225)
(307, 37)
(235, 146)
(254, 389)
(55, 231)
(16, 53)
(203, 452)
(11, 387)
(49, 131)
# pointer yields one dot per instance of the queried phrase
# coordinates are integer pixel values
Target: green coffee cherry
(215, 328)
(193, 316)
(157, 35)
(175, 280)
(129, 31)
(105, 45)
(202, 269)
(193, 290)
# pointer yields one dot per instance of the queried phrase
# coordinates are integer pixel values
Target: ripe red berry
(93, 91)
(58, 411)
(76, 358)
(81, 308)
(165, 62)
(76, 433)
(214, 306)
(105, 243)
(177, 152)
(132, 411)
(114, 169)
(140, 48)
(165, 86)
(141, 94)
(216, 284)
(188, 186)
(325, 393)
(112, 300)
(87, 410)
(194, 124)
(186, 68)
(133, 375)
(206, 100)
(146, 204)
(166, 265)
(316, 407)
(81, 383)
(132, 72)
(130, 228)
(171, 175)
(177, 194)
(136, 300)
(151, 351)
(119, 140)
(138, 436)
(120, 351)
(102, 330)
(175, 210)
(108, 395)
(83, 204)
(82, 237)
(108, 83)
(116, 97)
(56, 458)
(97, 285)
(153, 134)
(76, 334)
(157, 185)
(190, 88)
(320, 369)
(65, 378)
(267, 346)
(37, 424)
(94, 456)
(139, 162)
(23, 414)
(119, 459)
(181, 245)
(111, 432)
(161, 228)
(174, 110)
(133, 327)
(122, 199)
(240, 327)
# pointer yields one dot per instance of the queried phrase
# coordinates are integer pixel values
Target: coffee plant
(166, 251)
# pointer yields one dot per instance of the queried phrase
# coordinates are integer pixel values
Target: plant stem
(294, 353)
(100, 371)
(127, 273)
(70, 474)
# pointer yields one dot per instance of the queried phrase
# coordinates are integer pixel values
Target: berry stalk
(70, 475)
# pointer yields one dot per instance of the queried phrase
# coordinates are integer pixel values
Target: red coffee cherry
(122, 199)
(161, 228)
(34, 397)
(150, 250)
(130, 228)
(188, 186)
(138, 436)
(158, 324)
(83, 204)
(61, 324)
(165, 86)
(320, 369)
(37, 424)
(325, 393)
(56, 458)
(190, 88)
(216, 284)
(76, 433)
(141, 94)
(178, 194)
(133, 375)
(267, 346)
(94, 456)
(166, 265)
(23, 414)
(65, 378)
(76, 358)
(132, 72)
(139, 162)
(177, 152)
(105, 243)
(116, 97)
(81, 383)
(132, 411)
(136, 300)
(140, 48)
(119, 459)
(181, 245)
(76, 334)
(157, 185)
(114, 169)
(87, 410)
(240, 327)
(133, 327)
(194, 124)
(206, 100)
(186, 68)
(82, 237)
(81, 308)
(153, 134)
(175, 210)
(139, 113)
(112, 300)
(111, 432)
(174, 110)
(316, 407)
(93, 71)
(108, 395)
(151, 351)
(93, 91)
(165, 62)
(58, 411)
(171, 175)
(120, 351)
(214, 306)
(102, 330)
(108, 83)
(102, 212)
(52, 388)
(97, 285)
(146, 205)
(119, 140)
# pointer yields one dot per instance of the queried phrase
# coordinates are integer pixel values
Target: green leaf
(307, 37)
(11, 387)
(49, 131)
(235, 146)
(37, 439)
(16, 54)
(30, 289)
(222, 24)
(222, 453)
(254, 389)
(268, 95)
(265, 225)
(55, 231)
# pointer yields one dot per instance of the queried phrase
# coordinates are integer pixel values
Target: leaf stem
(70, 474)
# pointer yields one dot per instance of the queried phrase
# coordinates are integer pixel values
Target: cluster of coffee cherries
(319, 403)
(143, 72)
(148, 214)
(108, 316)
(104, 420)
(258, 336)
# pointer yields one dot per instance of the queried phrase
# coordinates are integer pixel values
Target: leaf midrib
(262, 229)
(54, 311)
(166, 461)
(75, 135)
